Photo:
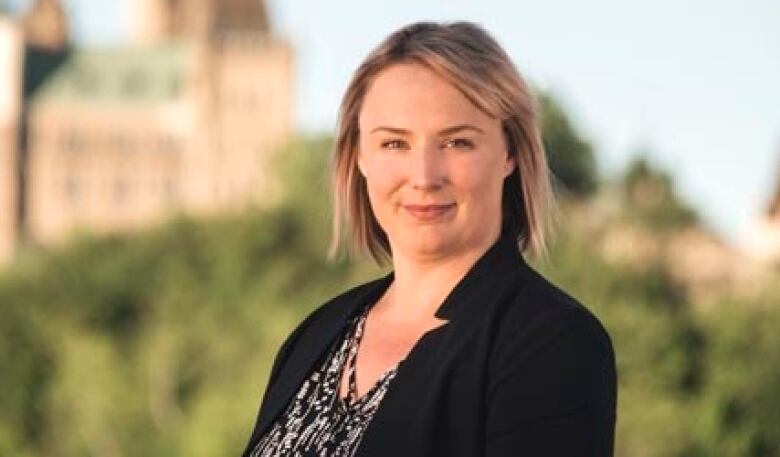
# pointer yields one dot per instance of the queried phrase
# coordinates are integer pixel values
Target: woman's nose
(426, 171)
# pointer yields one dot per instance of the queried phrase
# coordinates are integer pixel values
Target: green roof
(126, 75)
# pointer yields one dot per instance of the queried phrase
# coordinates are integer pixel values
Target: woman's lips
(428, 212)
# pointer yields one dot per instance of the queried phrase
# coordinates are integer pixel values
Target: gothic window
(73, 141)
(73, 189)
(167, 144)
(86, 80)
(122, 189)
(124, 142)
(134, 84)
(174, 84)
(170, 190)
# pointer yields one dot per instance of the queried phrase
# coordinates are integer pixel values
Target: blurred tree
(570, 157)
(158, 343)
(154, 343)
(658, 345)
(650, 196)
(739, 410)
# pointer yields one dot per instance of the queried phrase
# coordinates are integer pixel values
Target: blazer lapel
(312, 345)
(460, 307)
(391, 429)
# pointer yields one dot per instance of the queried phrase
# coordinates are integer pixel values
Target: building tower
(114, 139)
(161, 20)
(773, 209)
(10, 113)
(762, 239)
(46, 26)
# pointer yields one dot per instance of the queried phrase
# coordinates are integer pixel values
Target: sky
(694, 83)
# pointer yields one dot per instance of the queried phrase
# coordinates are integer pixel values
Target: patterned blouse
(318, 422)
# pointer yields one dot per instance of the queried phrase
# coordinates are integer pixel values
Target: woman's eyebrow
(395, 130)
(446, 131)
(460, 127)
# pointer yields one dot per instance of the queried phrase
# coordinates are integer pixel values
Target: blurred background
(164, 216)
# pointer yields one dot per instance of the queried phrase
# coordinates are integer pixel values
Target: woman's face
(434, 164)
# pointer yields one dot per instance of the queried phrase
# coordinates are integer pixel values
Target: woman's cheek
(467, 174)
(388, 173)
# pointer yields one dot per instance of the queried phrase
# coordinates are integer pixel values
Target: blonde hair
(465, 55)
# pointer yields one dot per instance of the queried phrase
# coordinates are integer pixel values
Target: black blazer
(521, 369)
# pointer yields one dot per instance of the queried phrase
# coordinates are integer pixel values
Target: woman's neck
(420, 287)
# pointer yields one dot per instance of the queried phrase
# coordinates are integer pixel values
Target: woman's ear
(361, 166)
(509, 165)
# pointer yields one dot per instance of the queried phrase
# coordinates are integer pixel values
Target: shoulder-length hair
(466, 56)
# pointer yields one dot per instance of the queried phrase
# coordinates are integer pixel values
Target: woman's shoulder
(541, 314)
(551, 363)
(339, 307)
(331, 313)
(347, 302)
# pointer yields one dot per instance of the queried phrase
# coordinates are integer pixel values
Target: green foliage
(690, 383)
(657, 342)
(569, 156)
(159, 343)
(650, 197)
(739, 408)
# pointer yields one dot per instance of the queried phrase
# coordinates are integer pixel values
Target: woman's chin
(428, 245)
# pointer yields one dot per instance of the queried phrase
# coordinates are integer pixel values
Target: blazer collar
(503, 257)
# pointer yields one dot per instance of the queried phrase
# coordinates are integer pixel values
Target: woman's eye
(460, 143)
(393, 144)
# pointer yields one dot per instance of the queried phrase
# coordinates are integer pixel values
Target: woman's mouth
(428, 212)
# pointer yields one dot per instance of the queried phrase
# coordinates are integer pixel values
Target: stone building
(10, 108)
(762, 239)
(182, 119)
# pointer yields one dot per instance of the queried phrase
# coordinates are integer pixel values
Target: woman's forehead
(411, 96)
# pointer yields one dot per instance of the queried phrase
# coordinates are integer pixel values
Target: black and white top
(317, 422)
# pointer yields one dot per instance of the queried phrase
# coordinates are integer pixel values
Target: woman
(463, 349)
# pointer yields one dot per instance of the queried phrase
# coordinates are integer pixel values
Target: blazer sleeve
(554, 394)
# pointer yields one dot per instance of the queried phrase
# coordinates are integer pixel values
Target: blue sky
(696, 82)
